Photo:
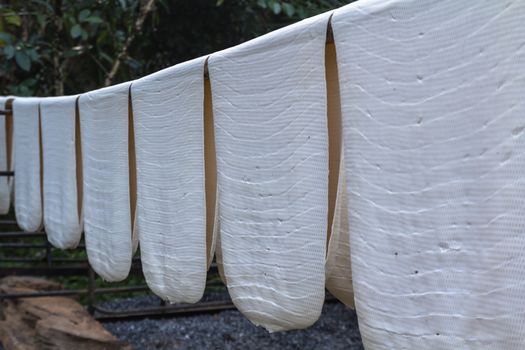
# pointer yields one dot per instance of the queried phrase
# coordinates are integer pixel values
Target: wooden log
(29, 282)
(50, 322)
(15, 333)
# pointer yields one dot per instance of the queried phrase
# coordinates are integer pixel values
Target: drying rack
(46, 264)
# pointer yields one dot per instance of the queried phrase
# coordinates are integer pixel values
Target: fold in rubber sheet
(5, 182)
(269, 105)
(26, 138)
(60, 189)
(171, 207)
(338, 261)
(433, 112)
(106, 192)
(218, 258)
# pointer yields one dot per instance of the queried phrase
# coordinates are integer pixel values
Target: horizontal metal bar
(29, 245)
(7, 173)
(55, 293)
(84, 261)
(121, 289)
(16, 259)
(51, 293)
(105, 315)
(4, 235)
(22, 245)
(70, 270)
(163, 311)
(54, 260)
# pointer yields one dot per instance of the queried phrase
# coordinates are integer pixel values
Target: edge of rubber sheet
(27, 152)
(5, 186)
(210, 171)
(218, 259)
(62, 215)
(269, 104)
(10, 146)
(106, 190)
(171, 207)
(432, 100)
(338, 259)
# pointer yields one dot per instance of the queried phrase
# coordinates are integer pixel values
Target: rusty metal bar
(8, 222)
(91, 294)
(29, 245)
(21, 245)
(21, 235)
(92, 285)
(17, 259)
(69, 270)
(49, 256)
(163, 311)
(203, 307)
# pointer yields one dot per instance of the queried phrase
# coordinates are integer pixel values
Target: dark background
(60, 47)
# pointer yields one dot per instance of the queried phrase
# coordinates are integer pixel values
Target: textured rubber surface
(107, 208)
(171, 208)
(269, 104)
(62, 222)
(433, 109)
(26, 139)
(5, 187)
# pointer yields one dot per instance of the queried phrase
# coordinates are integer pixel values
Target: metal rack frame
(46, 265)
(49, 266)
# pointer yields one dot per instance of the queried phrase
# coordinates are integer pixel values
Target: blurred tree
(56, 47)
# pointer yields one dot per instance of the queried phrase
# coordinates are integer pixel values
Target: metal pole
(91, 290)
(49, 256)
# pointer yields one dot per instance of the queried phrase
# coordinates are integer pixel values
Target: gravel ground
(336, 329)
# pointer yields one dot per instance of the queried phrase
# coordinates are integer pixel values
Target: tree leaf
(133, 63)
(76, 31)
(276, 7)
(94, 20)
(41, 19)
(23, 61)
(289, 9)
(14, 19)
(9, 51)
(83, 15)
(302, 12)
(261, 3)
(219, 3)
(46, 4)
(5, 38)
(105, 56)
(33, 54)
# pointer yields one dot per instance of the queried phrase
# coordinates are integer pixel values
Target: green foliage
(50, 47)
